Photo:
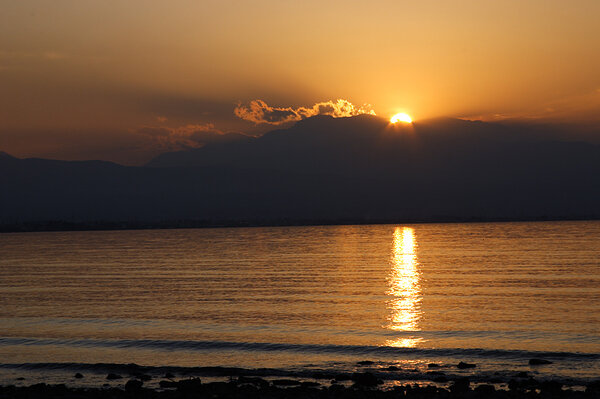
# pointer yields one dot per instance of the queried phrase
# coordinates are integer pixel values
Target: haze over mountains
(322, 169)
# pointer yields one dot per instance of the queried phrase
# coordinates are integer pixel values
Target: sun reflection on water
(404, 287)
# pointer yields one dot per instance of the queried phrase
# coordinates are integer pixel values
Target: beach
(370, 379)
(135, 382)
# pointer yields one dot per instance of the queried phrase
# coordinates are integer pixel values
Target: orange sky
(84, 79)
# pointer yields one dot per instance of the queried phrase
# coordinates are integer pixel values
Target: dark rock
(133, 385)
(286, 382)
(393, 368)
(169, 375)
(401, 391)
(217, 389)
(310, 384)
(20, 378)
(593, 388)
(337, 388)
(321, 376)
(365, 379)
(441, 378)
(514, 385)
(550, 387)
(167, 384)
(460, 385)
(523, 385)
(463, 365)
(144, 377)
(342, 377)
(485, 390)
(522, 374)
(433, 365)
(78, 375)
(113, 376)
(189, 385)
(365, 363)
(429, 391)
(537, 362)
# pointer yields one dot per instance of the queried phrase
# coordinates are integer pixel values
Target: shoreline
(65, 226)
(368, 380)
(359, 385)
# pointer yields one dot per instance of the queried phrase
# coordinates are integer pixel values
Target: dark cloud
(186, 137)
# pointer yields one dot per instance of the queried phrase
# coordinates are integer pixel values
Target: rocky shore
(359, 385)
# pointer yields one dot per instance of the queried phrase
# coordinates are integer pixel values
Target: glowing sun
(401, 117)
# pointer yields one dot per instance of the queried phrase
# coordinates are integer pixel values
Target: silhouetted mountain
(360, 146)
(322, 169)
(4, 155)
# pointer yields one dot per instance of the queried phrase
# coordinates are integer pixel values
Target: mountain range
(360, 169)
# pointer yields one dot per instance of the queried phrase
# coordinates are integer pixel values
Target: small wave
(133, 368)
(358, 350)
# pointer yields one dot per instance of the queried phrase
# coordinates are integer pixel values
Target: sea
(404, 302)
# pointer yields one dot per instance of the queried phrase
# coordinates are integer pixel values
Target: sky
(127, 80)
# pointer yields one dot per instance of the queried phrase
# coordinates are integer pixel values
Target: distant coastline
(58, 225)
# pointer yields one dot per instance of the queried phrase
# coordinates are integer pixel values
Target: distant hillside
(322, 169)
(4, 155)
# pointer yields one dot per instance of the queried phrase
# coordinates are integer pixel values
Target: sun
(401, 117)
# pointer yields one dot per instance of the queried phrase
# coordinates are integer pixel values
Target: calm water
(305, 298)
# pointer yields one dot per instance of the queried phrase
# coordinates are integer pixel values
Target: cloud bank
(186, 137)
(258, 111)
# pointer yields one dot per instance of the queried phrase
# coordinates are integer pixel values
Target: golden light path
(401, 117)
(404, 287)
